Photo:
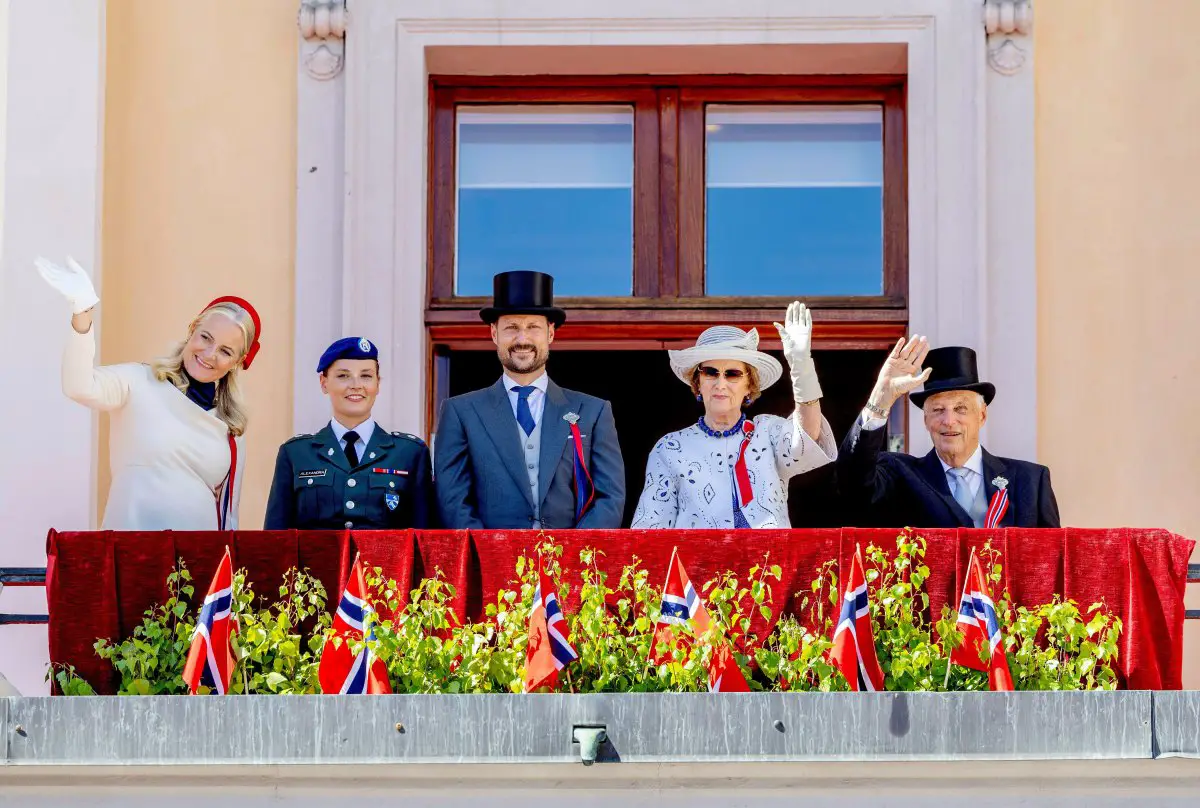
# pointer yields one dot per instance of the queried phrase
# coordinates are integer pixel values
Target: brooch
(1000, 483)
(571, 418)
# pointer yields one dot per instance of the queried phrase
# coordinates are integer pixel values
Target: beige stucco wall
(199, 191)
(1118, 168)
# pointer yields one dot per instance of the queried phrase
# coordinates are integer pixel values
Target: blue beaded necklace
(712, 433)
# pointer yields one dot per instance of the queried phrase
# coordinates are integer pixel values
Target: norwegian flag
(549, 650)
(341, 670)
(853, 641)
(680, 606)
(724, 675)
(210, 659)
(980, 627)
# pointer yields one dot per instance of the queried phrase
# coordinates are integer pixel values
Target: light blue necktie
(962, 493)
(524, 414)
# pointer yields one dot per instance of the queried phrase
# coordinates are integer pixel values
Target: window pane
(548, 188)
(794, 200)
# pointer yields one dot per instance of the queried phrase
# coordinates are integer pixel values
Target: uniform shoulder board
(410, 437)
(295, 438)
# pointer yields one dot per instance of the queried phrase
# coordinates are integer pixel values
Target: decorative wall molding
(323, 25)
(1008, 16)
(1007, 58)
(1005, 21)
(460, 26)
(362, 247)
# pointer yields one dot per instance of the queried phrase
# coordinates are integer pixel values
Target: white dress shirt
(364, 431)
(974, 465)
(537, 398)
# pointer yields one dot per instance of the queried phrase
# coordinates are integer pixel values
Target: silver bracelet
(879, 412)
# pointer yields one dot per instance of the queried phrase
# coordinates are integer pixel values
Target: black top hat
(953, 369)
(523, 292)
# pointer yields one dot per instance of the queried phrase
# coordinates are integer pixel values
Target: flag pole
(949, 664)
(237, 624)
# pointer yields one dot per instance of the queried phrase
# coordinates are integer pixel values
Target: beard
(523, 364)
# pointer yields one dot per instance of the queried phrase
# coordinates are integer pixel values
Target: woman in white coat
(176, 423)
(727, 471)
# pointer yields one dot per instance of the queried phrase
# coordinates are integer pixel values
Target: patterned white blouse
(689, 478)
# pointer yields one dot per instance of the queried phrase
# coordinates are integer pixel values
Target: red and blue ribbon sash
(996, 509)
(740, 473)
(225, 501)
(585, 491)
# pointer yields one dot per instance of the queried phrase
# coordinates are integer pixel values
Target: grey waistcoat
(531, 445)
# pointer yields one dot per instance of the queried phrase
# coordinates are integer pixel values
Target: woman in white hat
(728, 471)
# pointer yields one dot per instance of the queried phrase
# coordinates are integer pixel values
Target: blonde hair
(230, 402)
(751, 376)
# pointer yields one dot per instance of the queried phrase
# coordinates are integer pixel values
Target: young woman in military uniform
(352, 473)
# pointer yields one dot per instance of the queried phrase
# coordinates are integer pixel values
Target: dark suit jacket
(315, 488)
(889, 489)
(479, 467)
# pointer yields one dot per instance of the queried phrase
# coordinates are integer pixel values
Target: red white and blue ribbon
(996, 509)
(585, 490)
(225, 501)
(740, 473)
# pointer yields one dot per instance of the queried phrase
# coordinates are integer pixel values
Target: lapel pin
(571, 418)
(331, 452)
(1000, 483)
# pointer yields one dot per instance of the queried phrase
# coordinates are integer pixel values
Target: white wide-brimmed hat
(727, 342)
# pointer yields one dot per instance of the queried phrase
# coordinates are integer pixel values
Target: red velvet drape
(99, 584)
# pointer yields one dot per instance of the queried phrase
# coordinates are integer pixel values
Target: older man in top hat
(959, 483)
(524, 452)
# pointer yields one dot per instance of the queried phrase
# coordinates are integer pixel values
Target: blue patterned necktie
(524, 414)
(962, 494)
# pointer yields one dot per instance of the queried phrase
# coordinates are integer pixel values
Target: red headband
(254, 346)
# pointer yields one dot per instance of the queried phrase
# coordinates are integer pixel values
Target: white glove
(796, 335)
(71, 281)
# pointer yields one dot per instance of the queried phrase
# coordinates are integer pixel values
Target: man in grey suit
(524, 452)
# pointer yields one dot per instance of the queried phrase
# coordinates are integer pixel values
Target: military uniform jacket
(315, 489)
(889, 489)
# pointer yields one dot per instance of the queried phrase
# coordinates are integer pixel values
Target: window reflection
(794, 200)
(547, 188)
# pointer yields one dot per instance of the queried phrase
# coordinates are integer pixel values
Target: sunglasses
(731, 374)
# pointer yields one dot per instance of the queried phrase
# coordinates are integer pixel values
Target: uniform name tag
(398, 472)
(316, 473)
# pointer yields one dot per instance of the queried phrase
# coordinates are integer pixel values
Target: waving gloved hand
(796, 336)
(71, 281)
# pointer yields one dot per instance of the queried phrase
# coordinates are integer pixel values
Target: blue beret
(348, 348)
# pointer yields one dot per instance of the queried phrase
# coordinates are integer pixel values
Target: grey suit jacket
(479, 469)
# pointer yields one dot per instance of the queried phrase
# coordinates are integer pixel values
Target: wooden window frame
(668, 302)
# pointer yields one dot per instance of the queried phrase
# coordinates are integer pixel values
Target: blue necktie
(962, 494)
(524, 415)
